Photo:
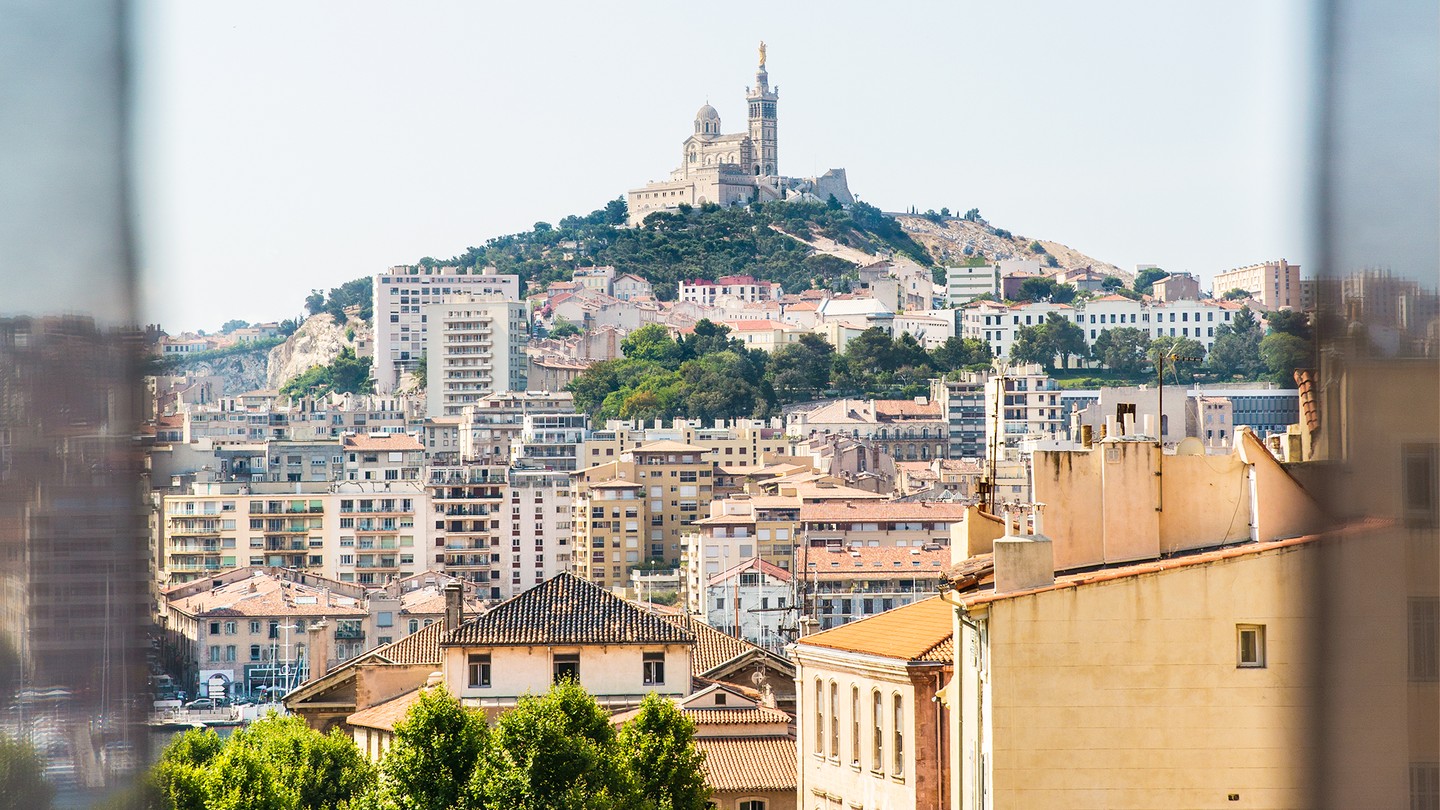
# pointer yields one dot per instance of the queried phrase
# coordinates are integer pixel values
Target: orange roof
(801, 306)
(392, 442)
(756, 325)
(876, 562)
(851, 511)
(920, 631)
(1110, 298)
(907, 408)
(749, 764)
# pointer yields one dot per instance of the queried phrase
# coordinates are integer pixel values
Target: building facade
(400, 296)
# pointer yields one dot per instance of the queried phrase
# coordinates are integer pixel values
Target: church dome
(707, 121)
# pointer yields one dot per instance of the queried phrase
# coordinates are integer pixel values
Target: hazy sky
(287, 146)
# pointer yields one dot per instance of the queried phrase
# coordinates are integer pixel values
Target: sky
(282, 147)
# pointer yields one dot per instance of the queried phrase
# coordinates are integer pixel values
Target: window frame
(1258, 661)
(478, 670)
(570, 665)
(898, 736)
(653, 668)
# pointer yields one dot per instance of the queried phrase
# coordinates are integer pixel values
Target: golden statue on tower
(762, 53)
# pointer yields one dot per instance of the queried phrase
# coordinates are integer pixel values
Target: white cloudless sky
(282, 147)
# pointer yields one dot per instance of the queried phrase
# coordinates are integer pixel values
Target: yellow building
(735, 442)
(633, 511)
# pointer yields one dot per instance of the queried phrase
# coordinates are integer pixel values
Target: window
(230, 653)
(834, 720)
(254, 627)
(414, 625)
(214, 628)
(1424, 638)
(214, 653)
(229, 628)
(479, 667)
(855, 726)
(752, 804)
(567, 666)
(899, 771)
(877, 728)
(1425, 786)
(819, 718)
(254, 652)
(1250, 640)
(1419, 484)
(654, 665)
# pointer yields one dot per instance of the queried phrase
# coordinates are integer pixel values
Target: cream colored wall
(604, 671)
(1126, 694)
(1207, 501)
(839, 779)
(976, 534)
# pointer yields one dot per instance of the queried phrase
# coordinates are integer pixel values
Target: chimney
(1024, 563)
(454, 605)
(318, 648)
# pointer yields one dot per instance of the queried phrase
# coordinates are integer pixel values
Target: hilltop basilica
(735, 169)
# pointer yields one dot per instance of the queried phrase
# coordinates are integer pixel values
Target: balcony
(349, 634)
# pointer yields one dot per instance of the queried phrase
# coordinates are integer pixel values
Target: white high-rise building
(400, 296)
(476, 347)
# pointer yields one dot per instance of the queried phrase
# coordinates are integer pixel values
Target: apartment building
(382, 457)
(1276, 284)
(361, 532)
(635, 509)
(236, 420)
(467, 508)
(738, 441)
(400, 296)
(552, 441)
(997, 324)
(841, 584)
(476, 347)
(963, 284)
(1022, 401)
(960, 396)
(490, 426)
(752, 600)
(540, 520)
(908, 430)
(743, 288)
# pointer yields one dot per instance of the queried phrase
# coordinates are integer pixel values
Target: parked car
(202, 703)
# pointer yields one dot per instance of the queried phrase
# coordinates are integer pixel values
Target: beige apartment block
(634, 510)
(476, 346)
(738, 441)
(1276, 284)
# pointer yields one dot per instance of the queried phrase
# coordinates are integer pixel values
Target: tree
(433, 758)
(1122, 350)
(1036, 247)
(652, 342)
(1145, 279)
(1236, 350)
(957, 353)
(22, 778)
(1032, 344)
(1283, 353)
(1168, 350)
(230, 326)
(563, 329)
(1036, 289)
(1111, 283)
(658, 747)
(801, 370)
(973, 215)
(346, 374)
(945, 212)
(321, 770)
(242, 779)
(1290, 322)
(556, 750)
(1066, 338)
(1063, 293)
(1235, 294)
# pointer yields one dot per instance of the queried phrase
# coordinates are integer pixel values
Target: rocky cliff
(317, 342)
(948, 239)
(242, 370)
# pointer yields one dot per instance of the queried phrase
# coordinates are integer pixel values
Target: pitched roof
(749, 763)
(877, 562)
(420, 647)
(271, 596)
(756, 563)
(713, 648)
(907, 408)
(566, 609)
(919, 631)
(385, 716)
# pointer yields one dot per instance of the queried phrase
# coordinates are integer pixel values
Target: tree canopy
(346, 374)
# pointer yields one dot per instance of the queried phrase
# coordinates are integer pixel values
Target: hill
(954, 240)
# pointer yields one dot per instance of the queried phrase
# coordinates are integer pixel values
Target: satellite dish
(1190, 446)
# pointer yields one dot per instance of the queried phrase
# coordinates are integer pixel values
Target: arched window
(834, 720)
(924, 452)
(899, 769)
(877, 733)
(819, 717)
(924, 433)
(910, 453)
(855, 726)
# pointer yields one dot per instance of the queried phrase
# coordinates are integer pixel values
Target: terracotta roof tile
(850, 511)
(712, 647)
(393, 442)
(877, 562)
(566, 609)
(755, 563)
(906, 408)
(420, 647)
(914, 632)
(749, 763)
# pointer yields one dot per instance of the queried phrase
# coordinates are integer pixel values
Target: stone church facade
(734, 169)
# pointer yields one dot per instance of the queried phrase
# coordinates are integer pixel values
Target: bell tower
(762, 102)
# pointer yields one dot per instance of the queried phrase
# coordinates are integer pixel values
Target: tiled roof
(850, 511)
(914, 632)
(566, 609)
(876, 562)
(271, 597)
(385, 715)
(907, 408)
(712, 647)
(755, 563)
(735, 717)
(392, 442)
(749, 763)
(420, 647)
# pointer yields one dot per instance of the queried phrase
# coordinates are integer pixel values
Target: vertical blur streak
(74, 595)
(1371, 406)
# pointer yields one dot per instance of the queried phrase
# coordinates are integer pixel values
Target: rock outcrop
(241, 371)
(317, 342)
(947, 240)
